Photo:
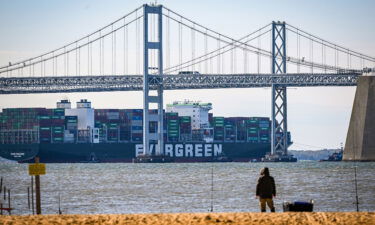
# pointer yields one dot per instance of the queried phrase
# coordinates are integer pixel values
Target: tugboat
(335, 157)
(278, 158)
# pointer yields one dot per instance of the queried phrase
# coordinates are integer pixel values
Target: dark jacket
(266, 186)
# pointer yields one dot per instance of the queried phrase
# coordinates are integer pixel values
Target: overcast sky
(317, 117)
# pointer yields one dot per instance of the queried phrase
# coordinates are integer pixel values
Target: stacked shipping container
(173, 126)
(33, 125)
(218, 125)
(137, 125)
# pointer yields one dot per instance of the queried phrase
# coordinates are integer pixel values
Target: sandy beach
(326, 218)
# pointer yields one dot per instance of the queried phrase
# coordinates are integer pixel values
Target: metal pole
(32, 195)
(212, 188)
(356, 188)
(9, 210)
(37, 191)
(28, 197)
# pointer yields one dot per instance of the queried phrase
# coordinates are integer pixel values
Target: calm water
(145, 188)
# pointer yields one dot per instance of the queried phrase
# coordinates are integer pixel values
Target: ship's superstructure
(190, 131)
(197, 111)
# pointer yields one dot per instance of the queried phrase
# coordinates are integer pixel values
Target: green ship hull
(128, 152)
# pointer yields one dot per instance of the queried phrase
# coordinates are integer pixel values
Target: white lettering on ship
(185, 150)
(17, 154)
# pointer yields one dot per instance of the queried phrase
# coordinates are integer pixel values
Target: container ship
(84, 134)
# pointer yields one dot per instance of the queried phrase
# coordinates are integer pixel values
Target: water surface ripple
(186, 187)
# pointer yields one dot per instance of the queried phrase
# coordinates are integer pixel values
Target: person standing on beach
(266, 190)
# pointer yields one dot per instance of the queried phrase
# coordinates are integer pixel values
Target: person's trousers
(262, 203)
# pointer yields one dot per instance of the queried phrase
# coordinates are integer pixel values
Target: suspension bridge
(154, 48)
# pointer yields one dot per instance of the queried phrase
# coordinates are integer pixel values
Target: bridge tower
(152, 45)
(279, 124)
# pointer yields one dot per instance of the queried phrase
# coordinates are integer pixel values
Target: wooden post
(37, 191)
(32, 194)
(28, 197)
(9, 210)
(1, 208)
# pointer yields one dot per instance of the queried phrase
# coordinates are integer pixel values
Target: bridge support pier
(360, 140)
(152, 45)
(279, 144)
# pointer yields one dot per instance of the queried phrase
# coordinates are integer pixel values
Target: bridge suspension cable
(75, 46)
(243, 45)
(220, 51)
(93, 54)
(337, 49)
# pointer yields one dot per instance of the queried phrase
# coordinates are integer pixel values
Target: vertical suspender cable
(67, 63)
(245, 61)
(103, 58)
(338, 57)
(335, 57)
(127, 51)
(298, 51)
(235, 59)
(219, 55)
(192, 48)
(347, 59)
(231, 58)
(44, 67)
(29, 69)
(41, 67)
(323, 62)
(258, 54)
(312, 54)
(79, 60)
(76, 58)
(112, 53)
(205, 52)
(325, 58)
(125, 47)
(180, 43)
(100, 54)
(53, 63)
(222, 61)
(90, 59)
(137, 43)
(88, 55)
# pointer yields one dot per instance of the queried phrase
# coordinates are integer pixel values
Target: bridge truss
(30, 85)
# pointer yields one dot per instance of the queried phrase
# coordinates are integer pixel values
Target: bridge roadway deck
(106, 83)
